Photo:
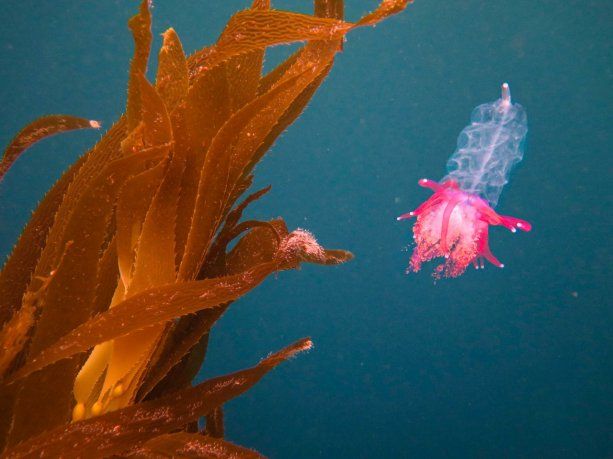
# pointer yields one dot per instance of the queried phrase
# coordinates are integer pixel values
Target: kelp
(183, 444)
(130, 427)
(40, 129)
(161, 304)
(110, 294)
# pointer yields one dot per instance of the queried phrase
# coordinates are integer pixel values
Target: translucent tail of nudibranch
(489, 147)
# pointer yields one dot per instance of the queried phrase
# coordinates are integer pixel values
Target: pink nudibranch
(454, 224)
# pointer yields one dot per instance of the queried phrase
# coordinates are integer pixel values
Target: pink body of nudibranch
(454, 224)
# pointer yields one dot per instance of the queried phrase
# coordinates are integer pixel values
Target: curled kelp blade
(140, 25)
(40, 129)
(130, 427)
(270, 28)
(253, 29)
(257, 246)
(235, 215)
(385, 9)
(215, 261)
(183, 444)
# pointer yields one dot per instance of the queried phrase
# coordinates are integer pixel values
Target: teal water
(498, 363)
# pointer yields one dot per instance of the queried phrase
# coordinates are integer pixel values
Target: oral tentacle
(431, 184)
(485, 252)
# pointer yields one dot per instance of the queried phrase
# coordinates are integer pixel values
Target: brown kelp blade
(13, 335)
(69, 307)
(140, 25)
(154, 115)
(133, 202)
(216, 178)
(253, 29)
(39, 129)
(46, 231)
(184, 341)
(171, 79)
(329, 8)
(257, 29)
(215, 423)
(86, 171)
(290, 115)
(161, 304)
(254, 125)
(231, 152)
(150, 307)
(131, 427)
(15, 332)
(385, 9)
(271, 28)
(20, 265)
(334, 257)
(258, 246)
(73, 288)
(235, 215)
(69, 300)
(213, 95)
(183, 444)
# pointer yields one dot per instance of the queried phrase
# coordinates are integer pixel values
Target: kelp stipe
(127, 255)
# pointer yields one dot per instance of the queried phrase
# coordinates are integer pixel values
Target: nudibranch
(454, 224)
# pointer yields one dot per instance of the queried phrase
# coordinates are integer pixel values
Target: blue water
(498, 363)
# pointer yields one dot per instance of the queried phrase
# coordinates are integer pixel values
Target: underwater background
(514, 362)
